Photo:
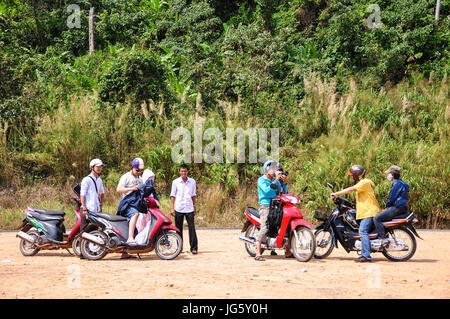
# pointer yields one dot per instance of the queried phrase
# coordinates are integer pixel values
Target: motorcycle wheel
(252, 232)
(405, 235)
(76, 246)
(27, 248)
(305, 248)
(324, 244)
(169, 249)
(92, 250)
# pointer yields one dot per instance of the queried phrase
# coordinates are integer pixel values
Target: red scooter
(107, 233)
(44, 229)
(286, 227)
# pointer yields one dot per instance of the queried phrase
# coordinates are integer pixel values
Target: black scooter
(341, 226)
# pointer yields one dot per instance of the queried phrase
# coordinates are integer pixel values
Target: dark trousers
(386, 215)
(179, 218)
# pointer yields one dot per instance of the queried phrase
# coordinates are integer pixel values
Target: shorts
(263, 214)
(130, 212)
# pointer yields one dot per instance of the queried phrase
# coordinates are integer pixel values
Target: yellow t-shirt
(366, 203)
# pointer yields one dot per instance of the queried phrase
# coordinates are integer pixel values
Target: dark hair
(395, 175)
(184, 166)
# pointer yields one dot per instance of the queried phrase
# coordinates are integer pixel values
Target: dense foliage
(346, 81)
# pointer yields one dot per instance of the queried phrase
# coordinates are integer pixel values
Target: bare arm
(83, 203)
(126, 189)
(172, 205)
(344, 191)
(193, 202)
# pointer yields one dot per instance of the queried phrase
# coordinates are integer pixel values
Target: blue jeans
(130, 212)
(364, 228)
(386, 215)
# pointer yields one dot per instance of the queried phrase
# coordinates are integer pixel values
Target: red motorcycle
(286, 226)
(107, 233)
(44, 229)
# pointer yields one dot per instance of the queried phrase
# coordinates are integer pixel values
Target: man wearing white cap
(92, 191)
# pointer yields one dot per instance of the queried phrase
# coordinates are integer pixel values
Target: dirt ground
(223, 269)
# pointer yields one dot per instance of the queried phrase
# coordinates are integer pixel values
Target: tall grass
(405, 124)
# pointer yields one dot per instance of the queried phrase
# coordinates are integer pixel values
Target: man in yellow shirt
(366, 206)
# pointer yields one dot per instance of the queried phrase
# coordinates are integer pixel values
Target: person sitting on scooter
(366, 206)
(268, 184)
(128, 183)
(396, 204)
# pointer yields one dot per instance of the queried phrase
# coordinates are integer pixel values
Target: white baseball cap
(96, 162)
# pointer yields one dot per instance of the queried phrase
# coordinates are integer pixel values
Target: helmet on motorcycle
(137, 163)
(356, 171)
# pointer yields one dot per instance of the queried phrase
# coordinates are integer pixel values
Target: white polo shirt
(88, 190)
(183, 193)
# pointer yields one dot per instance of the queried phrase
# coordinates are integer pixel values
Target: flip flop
(259, 258)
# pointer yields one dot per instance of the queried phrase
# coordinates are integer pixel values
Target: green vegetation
(340, 89)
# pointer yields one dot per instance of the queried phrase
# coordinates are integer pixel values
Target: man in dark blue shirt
(396, 204)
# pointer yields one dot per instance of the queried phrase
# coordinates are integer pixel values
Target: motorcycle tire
(27, 248)
(251, 248)
(407, 234)
(165, 250)
(93, 251)
(308, 244)
(327, 246)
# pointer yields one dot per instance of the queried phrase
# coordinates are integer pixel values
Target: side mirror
(330, 185)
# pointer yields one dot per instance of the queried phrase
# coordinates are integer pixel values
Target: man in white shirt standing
(182, 204)
(91, 192)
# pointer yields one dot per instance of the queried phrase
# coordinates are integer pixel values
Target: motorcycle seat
(46, 218)
(48, 212)
(253, 211)
(110, 217)
(402, 216)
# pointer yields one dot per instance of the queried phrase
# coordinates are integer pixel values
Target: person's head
(137, 166)
(148, 174)
(357, 172)
(96, 166)
(270, 168)
(393, 172)
(184, 170)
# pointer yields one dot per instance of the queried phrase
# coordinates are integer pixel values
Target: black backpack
(275, 217)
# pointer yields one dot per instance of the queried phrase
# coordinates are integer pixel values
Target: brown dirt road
(223, 269)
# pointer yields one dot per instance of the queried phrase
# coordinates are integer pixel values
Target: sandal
(259, 258)
(289, 256)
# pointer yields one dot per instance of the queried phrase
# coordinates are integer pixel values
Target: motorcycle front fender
(170, 227)
(299, 222)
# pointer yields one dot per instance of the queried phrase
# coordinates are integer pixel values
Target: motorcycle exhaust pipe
(93, 239)
(247, 239)
(26, 237)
